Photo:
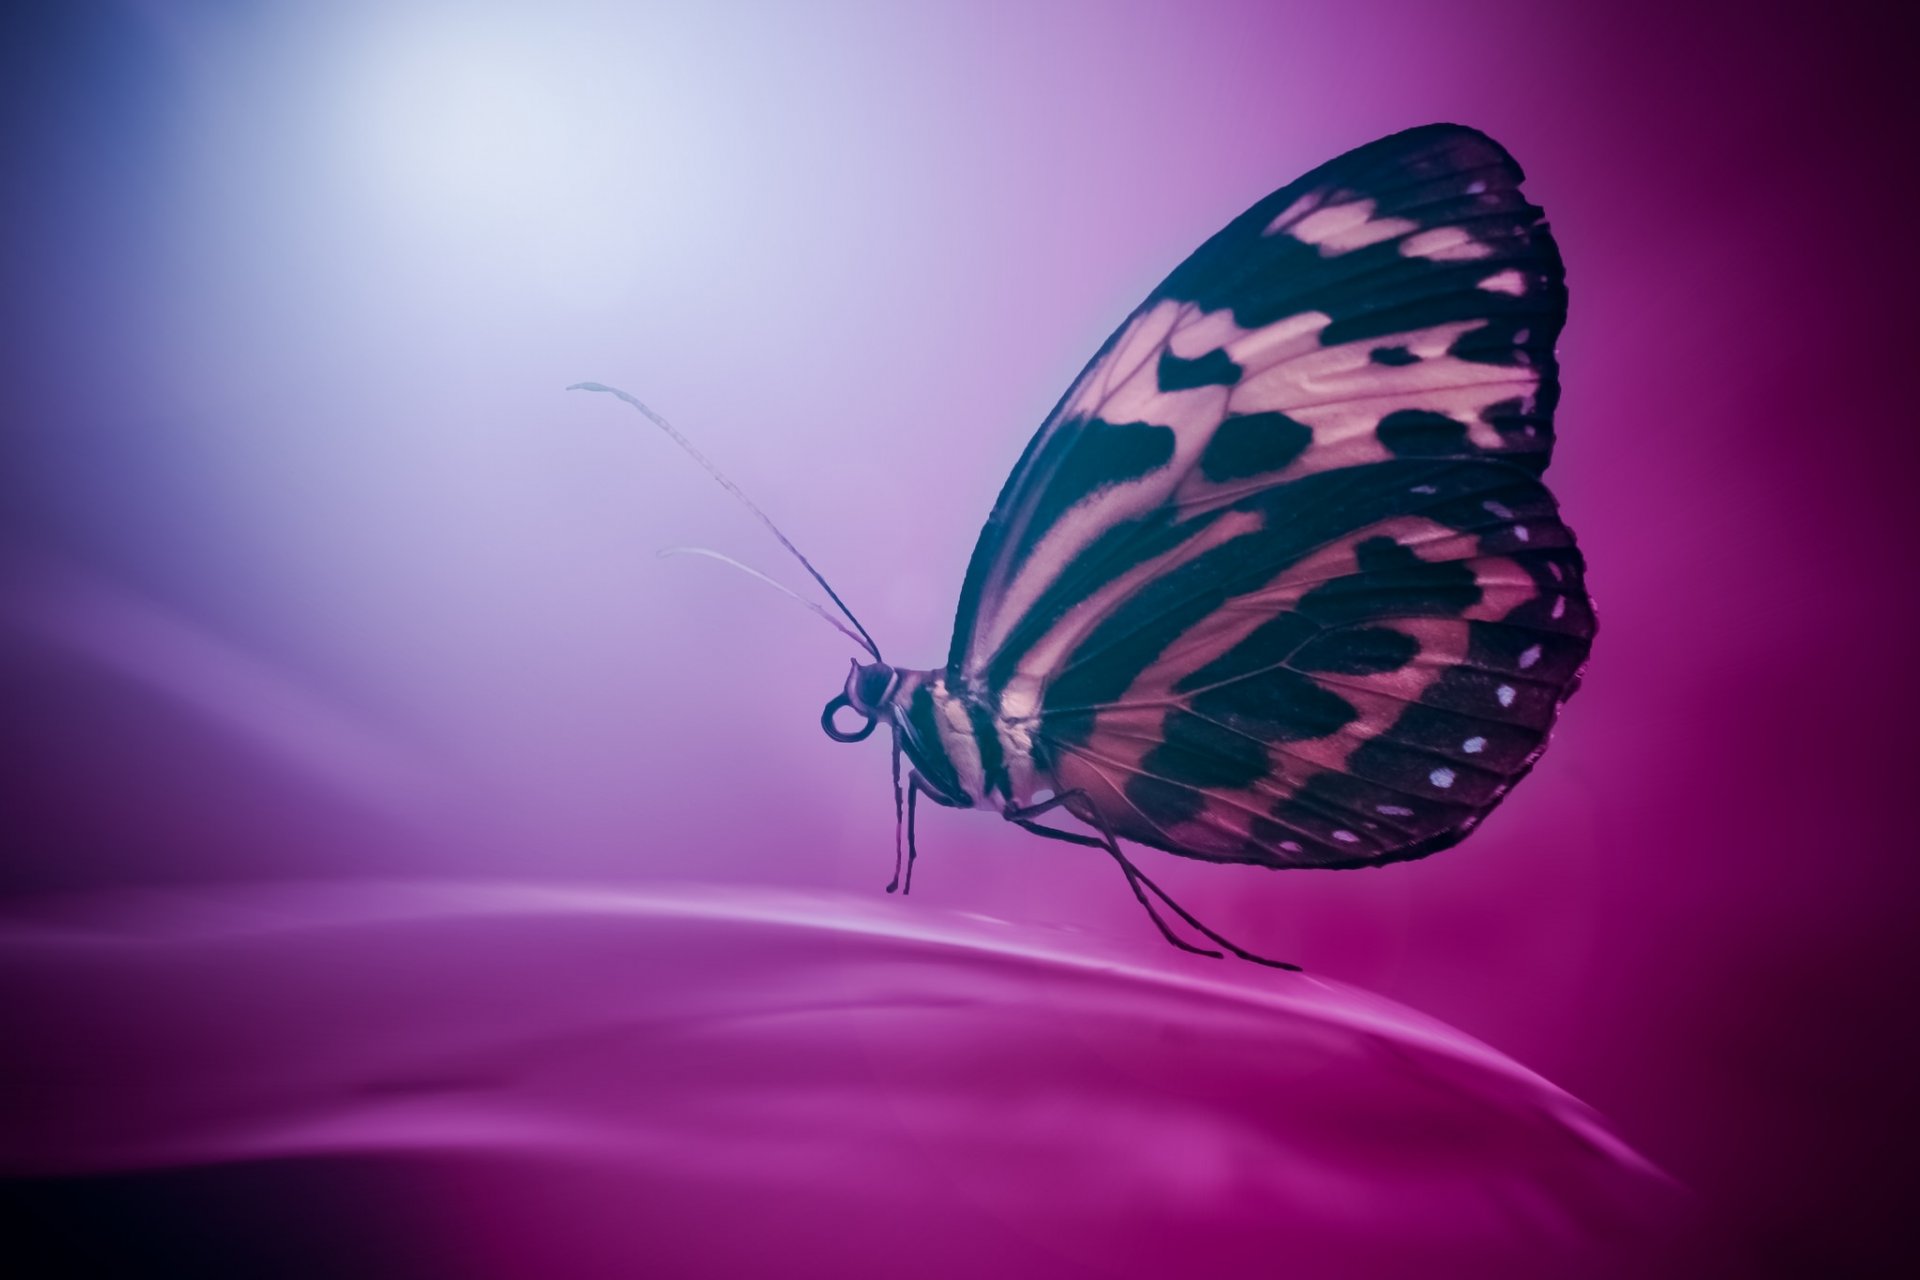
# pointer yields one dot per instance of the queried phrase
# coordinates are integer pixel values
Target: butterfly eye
(869, 685)
(843, 703)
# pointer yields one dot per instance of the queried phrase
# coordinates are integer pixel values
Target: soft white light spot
(1393, 810)
(1424, 488)
(1521, 335)
(1498, 508)
(1531, 656)
(1346, 837)
(1559, 606)
(1508, 281)
(1291, 846)
(1505, 694)
(481, 143)
(1442, 778)
(1559, 574)
(1475, 188)
(1520, 532)
(1474, 746)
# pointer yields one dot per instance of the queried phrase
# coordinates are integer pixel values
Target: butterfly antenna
(863, 639)
(781, 587)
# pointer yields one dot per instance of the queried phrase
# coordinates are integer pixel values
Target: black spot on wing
(1526, 428)
(1214, 369)
(1357, 651)
(1200, 753)
(1252, 444)
(1506, 338)
(1418, 433)
(1395, 356)
(1277, 706)
(1098, 456)
(1164, 804)
(1392, 582)
(1268, 645)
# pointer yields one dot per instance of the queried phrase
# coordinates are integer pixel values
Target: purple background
(312, 570)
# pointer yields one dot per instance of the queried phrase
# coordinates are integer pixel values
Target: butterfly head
(869, 685)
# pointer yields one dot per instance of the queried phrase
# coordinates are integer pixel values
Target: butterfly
(1277, 581)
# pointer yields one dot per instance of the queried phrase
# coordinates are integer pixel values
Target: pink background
(312, 570)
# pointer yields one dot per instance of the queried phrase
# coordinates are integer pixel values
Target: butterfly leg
(1054, 833)
(899, 816)
(1137, 880)
(916, 787)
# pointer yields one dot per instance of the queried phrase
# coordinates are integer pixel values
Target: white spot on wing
(1291, 846)
(1441, 778)
(1445, 244)
(1292, 213)
(1508, 281)
(1393, 810)
(1342, 228)
(1559, 606)
(1346, 837)
(1505, 694)
(1474, 746)
(1292, 336)
(1341, 394)
(1531, 656)
(1205, 331)
(1499, 509)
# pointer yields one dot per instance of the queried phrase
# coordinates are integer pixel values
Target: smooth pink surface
(726, 1080)
(311, 570)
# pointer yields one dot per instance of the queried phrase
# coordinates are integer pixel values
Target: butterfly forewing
(1277, 580)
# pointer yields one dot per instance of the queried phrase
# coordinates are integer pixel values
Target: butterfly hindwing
(1285, 698)
(1277, 579)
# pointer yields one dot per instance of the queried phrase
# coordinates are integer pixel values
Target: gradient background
(311, 569)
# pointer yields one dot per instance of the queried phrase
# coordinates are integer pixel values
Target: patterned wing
(1277, 580)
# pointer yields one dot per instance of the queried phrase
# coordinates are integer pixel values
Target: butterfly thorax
(971, 749)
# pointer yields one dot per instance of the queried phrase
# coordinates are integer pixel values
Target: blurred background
(309, 569)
